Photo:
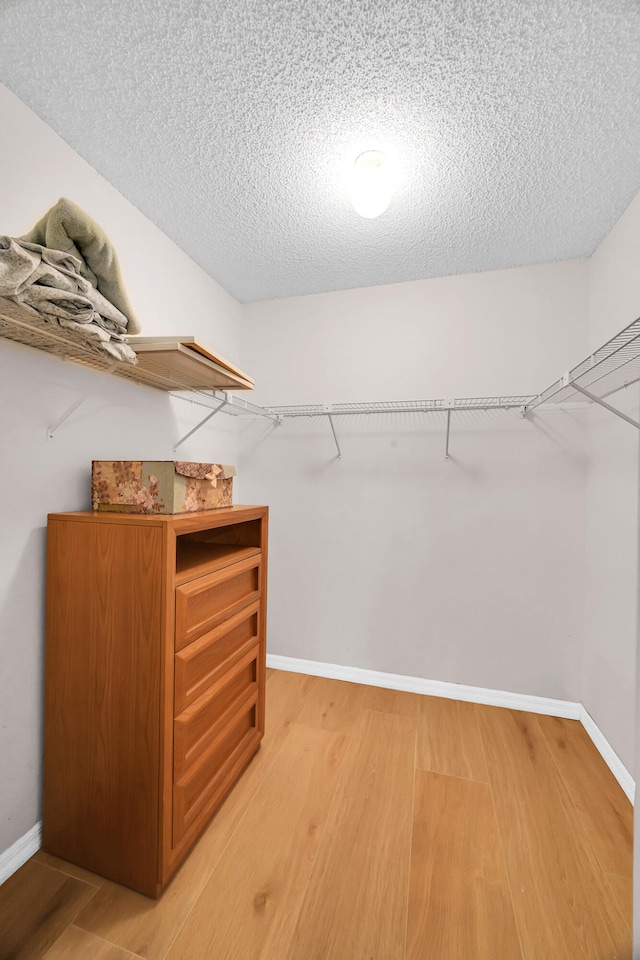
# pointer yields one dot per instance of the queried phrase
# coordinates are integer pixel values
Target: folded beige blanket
(69, 229)
(50, 281)
(88, 335)
(43, 288)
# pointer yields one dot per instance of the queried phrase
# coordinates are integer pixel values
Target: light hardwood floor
(372, 825)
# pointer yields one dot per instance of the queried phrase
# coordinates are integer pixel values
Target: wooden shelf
(165, 363)
(183, 360)
(195, 559)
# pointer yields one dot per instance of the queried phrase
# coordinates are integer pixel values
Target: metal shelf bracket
(607, 406)
(195, 429)
(446, 442)
(53, 429)
(333, 431)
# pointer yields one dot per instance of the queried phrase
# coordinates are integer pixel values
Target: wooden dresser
(154, 687)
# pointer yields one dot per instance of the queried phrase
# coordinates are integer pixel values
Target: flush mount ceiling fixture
(512, 129)
(372, 185)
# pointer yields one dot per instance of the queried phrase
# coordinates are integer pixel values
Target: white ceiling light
(371, 187)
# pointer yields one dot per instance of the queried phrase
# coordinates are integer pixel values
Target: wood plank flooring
(372, 825)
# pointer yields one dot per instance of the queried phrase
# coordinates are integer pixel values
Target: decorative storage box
(160, 486)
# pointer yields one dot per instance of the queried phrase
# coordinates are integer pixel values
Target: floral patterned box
(160, 486)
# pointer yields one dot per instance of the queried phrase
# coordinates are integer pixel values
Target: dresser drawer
(201, 663)
(203, 604)
(201, 790)
(201, 724)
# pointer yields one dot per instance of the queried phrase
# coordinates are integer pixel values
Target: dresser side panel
(102, 698)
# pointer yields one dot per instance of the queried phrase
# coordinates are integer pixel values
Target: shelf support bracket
(195, 429)
(446, 442)
(333, 430)
(53, 429)
(607, 406)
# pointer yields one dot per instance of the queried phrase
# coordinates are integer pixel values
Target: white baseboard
(19, 852)
(608, 754)
(457, 691)
(431, 688)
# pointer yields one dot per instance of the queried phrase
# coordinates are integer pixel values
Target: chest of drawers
(154, 682)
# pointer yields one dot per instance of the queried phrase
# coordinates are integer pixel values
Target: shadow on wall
(23, 668)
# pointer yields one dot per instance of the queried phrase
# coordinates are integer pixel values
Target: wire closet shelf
(612, 367)
(156, 374)
(400, 406)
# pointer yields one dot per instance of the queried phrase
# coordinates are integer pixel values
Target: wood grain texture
(180, 522)
(212, 519)
(605, 811)
(147, 927)
(198, 558)
(200, 793)
(557, 884)
(77, 944)
(459, 897)
(168, 857)
(198, 727)
(392, 701)
(248, 533)
(70, 869)
(102, 701)
(355, 907)
(205, 603)
(622, 888)
(394, 850)
(202, 663)
(36, 906)
(334, 705)
(449, 740)
(262, 620)
(110, 798)
(250, 904)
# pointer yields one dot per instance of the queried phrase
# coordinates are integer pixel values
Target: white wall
(119, 420)
(611, 680)
(469, 570)
(612, 502)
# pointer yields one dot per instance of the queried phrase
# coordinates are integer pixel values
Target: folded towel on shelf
(47, 285)
(34, 274)
(89, 336)
(67, 228)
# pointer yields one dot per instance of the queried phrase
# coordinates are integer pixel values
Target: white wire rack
(155, 374)
(612, 367)
(402, 406)
(329, 411)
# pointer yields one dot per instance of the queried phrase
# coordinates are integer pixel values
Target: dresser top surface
(181, 522)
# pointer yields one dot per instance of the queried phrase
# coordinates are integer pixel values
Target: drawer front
(200, 726)
(203, 662)
(203, 604)
(198, 794)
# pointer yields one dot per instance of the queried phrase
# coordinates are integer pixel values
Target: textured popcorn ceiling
(514, 126)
